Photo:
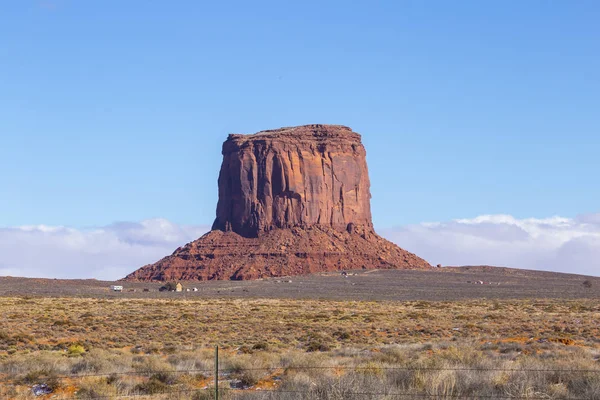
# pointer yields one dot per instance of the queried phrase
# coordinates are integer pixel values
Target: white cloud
(553, 244)
(109, 252)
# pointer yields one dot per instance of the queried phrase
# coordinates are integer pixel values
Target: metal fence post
(216, 372)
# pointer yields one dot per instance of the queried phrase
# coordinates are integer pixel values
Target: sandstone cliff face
(292, 201)
(290, 177)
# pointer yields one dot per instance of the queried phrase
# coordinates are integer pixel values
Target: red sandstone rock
(291, 201)
(302, 176)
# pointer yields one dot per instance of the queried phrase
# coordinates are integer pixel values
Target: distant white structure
(195, 289)
(116, 288)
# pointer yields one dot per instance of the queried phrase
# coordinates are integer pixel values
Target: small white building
(116, 288)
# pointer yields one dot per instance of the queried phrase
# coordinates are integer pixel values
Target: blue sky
(116, 110)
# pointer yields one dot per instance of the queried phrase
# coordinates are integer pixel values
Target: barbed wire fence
(222, 376)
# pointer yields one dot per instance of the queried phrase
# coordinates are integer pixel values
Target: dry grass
(160, 326)
(99, 348)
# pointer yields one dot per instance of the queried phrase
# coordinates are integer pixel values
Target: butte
(292, 201)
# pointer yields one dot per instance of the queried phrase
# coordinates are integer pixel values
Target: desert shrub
(96, 389)
(152, 386)
(98, 361)
(157, 383)
(251, 377)
(75, 350)
(148, 364)
(237, 365)
(418, 315)
(181, 361)
(169, 286)
(584, 384)
(341, 335)
(422, 304)
(395, 354)
(487, 346)
(245, 350)
(261, 346)
(426, 347)
(203, 395)
(370, 368)
(164, 377)
(152, 350)
(587, 283)
(169, 349)
(62, 322)
(316, 341)
(316, 345)
(511, 348)
(249, 369)
(42, 376)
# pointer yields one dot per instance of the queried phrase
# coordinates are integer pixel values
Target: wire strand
(340, 367)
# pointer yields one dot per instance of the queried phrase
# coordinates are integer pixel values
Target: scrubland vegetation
(300, 349)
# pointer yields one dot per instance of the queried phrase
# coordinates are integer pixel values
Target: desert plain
(471, 332)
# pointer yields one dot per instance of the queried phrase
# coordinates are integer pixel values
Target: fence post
(216, 372)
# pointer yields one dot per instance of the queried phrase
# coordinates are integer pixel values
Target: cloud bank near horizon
(111, 252)
(553, 244)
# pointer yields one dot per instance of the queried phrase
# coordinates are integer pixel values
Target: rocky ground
(441, 284)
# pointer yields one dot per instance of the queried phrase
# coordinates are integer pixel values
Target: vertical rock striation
(291, 201)
(293, 177)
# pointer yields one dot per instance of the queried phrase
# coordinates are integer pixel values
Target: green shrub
(75, 350)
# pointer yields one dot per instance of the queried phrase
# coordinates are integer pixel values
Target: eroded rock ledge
(292, 201)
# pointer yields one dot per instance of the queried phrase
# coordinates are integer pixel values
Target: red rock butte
(292, 201)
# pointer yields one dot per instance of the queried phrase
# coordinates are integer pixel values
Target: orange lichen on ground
(517, 339)
(266, 384)
(565, 341)
(68, 389)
